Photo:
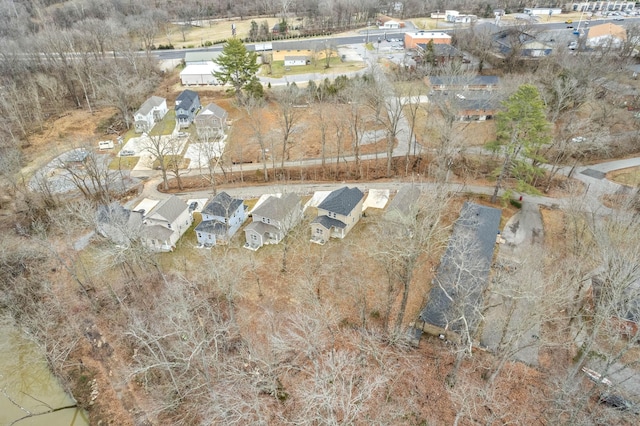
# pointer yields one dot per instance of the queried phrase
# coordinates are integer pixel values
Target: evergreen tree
(238, 67)
(522, 129)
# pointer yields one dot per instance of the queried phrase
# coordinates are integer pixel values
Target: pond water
(26, 380)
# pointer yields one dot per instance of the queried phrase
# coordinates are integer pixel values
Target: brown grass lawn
(630, 176)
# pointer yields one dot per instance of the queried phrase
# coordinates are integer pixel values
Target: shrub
(515, 203)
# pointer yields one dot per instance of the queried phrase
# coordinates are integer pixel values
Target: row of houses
(158, 225)
(210, 121)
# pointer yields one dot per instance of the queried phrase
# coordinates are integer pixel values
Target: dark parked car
(193, 206)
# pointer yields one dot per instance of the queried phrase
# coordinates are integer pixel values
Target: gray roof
(295, 57)
(261, 228)
(212, 227)
(342, 201)
(471, 244)
(156, 232)
(277, 208)
(329, 222)
(169, 208)
(113, 213)
(222, 205)
(215, 110)
(476, 80)
(200, 56)
(149, 104)
(299, 45)
(186, 99)
(406, 201)
(441, 49)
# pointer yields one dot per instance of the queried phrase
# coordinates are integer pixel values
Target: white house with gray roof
(165, 224)
(221, 218)
(272, 220)
(150, 112)
(337, 214)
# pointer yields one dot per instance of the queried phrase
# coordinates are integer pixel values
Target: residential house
(454, 17)
(296, 61)
(272, 220)
(455, 301)
(187, 106)
(480, 108)
(514, 41)
(221, 218)
(404, 207)
(211, 122)
(390, 25)
(438, 54)
(606, 36)
(150, 112)
(464, 83)
(120, 225)
(165, 224)
(604, 6)
(311, 49)
(411, 40)
(387, 22)
(337, 214)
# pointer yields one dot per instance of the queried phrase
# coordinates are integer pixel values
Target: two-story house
(221, 218)
(337, 214)
(165, 224)
(187, 106)
(211, 121)
(150, 112)
(272, 220)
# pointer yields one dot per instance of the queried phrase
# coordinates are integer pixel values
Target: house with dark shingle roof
(221, 218)
(150, 112)
(455, 299)
(187, 106)
(165, 224)
(272, 220)
(337, 214)
(118, 224)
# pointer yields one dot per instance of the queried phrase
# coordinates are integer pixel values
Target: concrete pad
(201, 203)
(146, 204)
(200, 153)
(377, 199)
(318, 197)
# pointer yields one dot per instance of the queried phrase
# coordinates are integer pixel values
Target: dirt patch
(629, 176)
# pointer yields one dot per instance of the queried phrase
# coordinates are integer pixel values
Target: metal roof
(150, 104)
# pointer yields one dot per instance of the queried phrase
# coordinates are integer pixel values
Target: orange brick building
(411, 40)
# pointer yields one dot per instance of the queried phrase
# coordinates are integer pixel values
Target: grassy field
(166, 125)
(278, 69)
(630, 176)
(123, 163)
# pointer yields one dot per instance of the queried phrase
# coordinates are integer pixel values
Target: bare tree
(290, 113)
(252, 105)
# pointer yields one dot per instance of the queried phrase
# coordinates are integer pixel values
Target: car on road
(618, 18)
(568, 21)
(127, 153)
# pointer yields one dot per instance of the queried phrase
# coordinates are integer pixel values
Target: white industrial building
(199, 74)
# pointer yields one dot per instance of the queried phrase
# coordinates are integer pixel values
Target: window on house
(199, 235)
(318, 231)
(169, 225)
